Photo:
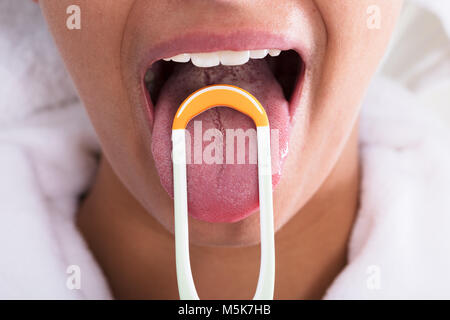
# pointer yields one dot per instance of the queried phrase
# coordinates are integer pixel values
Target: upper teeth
(226, 58)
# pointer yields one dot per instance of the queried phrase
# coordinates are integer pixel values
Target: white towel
(399, 246)
(47, 158)
(439, 7)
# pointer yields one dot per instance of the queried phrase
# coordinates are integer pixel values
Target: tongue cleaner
(242, 101)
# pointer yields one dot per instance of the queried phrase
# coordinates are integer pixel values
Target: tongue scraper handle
(196, 103)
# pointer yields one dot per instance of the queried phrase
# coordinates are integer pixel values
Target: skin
(128, 214)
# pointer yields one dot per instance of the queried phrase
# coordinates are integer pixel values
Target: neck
(137, 254)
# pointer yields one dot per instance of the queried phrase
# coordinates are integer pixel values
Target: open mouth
(222, 178)
(286, 66)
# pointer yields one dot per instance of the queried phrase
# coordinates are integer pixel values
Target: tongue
(220, 188)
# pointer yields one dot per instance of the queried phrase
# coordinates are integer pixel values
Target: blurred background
(419, 54)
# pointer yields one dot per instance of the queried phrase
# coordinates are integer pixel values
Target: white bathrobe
(399, 247)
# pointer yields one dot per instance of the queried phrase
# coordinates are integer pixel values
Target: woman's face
(311, 92)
